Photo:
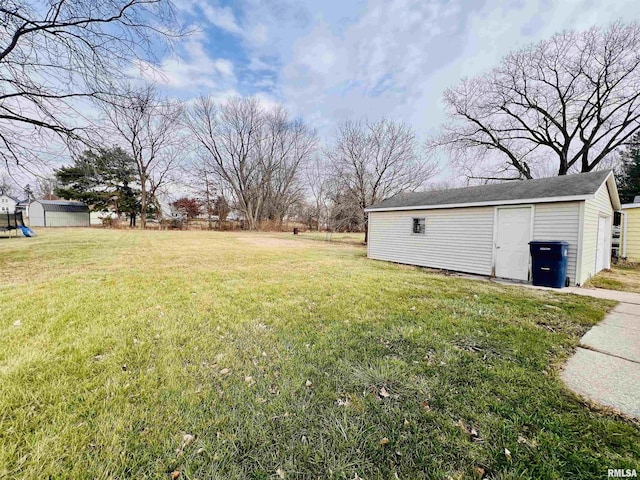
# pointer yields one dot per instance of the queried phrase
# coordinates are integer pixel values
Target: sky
(330, 60)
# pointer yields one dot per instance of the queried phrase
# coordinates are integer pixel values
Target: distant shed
(487, 229)
(58, 213)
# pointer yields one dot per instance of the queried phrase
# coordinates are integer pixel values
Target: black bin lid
(549, 242)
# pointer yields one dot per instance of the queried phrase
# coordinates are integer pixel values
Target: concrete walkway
(606, 366)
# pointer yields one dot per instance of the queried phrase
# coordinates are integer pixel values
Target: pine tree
(628, 177)
(103, 180)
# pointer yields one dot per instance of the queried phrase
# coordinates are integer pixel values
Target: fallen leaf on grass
(507, 454)
(308, 384)
(471, 431)
(249, 379)
(17, 323)
(384, 441)
(224, 371)
(383, 393)
(480, 471)
(175, 475)
(187, 439)
(281, 473)
(425, 406)
(525, 441)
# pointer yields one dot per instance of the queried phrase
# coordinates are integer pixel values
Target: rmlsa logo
(622, 473)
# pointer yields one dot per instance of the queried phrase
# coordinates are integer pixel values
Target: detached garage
(58, 213)
(486, 230)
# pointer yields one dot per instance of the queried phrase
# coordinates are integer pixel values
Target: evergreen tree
(102, 179)
(628, 177)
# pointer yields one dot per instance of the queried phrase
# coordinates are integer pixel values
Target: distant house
(630, 235)
(487, 229)
(7, 204)
(58, 213)
(23, 206)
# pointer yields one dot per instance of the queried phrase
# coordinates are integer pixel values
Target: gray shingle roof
(563, 186)
(63, 206)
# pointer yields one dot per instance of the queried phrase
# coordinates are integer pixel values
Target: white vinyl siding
(462, 239)
(36, 215)
(598, 206)
(559, 221)
(459, 239)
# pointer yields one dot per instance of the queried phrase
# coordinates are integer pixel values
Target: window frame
(424, 225)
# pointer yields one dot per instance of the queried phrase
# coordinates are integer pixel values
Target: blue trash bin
(549, 259)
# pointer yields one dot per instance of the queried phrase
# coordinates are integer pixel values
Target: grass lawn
(132, 354)
(625, 277)
(338, 237)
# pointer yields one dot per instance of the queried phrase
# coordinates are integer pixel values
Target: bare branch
(570, 100)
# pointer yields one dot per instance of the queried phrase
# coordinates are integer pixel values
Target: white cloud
(258, 65)
(221, 17)
(396, 57)
(259, 34)
(195, 69)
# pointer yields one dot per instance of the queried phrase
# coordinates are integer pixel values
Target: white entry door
(512, 243)
(602, 247)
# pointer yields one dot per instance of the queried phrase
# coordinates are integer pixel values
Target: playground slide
(26, 231)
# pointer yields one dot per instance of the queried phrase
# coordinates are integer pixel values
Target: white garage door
(512, 243)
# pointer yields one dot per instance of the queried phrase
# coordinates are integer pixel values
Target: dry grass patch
(624, 276)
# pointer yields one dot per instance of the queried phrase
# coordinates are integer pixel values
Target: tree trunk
(366, 230)
(143, 201)
(208, 196)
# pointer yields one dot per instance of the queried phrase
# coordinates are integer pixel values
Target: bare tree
(203, 180)
(284, 147)
(45, 187)
(377, 160)
(7, 185)
(150, 128)
(318, 180)
(55, 55)
(255, 154)
(570, 100)
(228, 136)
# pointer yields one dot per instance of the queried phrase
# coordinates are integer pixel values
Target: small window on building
(419, 226)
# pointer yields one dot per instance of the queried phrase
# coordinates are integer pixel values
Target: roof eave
(613, 191)
(570, 198)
